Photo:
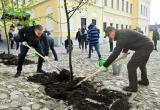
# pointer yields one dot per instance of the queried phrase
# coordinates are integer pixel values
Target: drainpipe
(102, 19)
(60, 22)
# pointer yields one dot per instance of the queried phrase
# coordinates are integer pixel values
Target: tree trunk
(5, 27)
(17, 3)
(69, 40)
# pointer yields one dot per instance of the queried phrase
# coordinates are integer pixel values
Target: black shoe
(130, 89)
(144, 83)
(41, 71)
(56, 59)
(17, 74)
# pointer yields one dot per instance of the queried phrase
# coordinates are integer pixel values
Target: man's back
(131, 40)
(28, 35)
(93, 35)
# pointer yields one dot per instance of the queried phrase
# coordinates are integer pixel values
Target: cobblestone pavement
(18, 94)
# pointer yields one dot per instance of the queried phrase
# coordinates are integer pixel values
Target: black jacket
(67, 43)
(155, 35)
(127, 40)
(78, 36)
(27, 34)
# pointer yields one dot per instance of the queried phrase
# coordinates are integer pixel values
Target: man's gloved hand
(24, 43)
(103, 69)
(46, 58)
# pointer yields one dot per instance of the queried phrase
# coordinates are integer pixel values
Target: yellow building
(118, 13)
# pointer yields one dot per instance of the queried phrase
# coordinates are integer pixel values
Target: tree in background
(17, 12)
(12, 11)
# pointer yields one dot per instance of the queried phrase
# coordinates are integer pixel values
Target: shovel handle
(98, 71)
(86, 78)
(43, 57)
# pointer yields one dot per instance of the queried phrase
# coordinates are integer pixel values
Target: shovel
(93, 75)
(58, 68)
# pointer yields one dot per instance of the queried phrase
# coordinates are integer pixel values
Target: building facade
(121, 14)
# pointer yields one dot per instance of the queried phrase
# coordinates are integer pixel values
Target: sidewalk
(17, 93)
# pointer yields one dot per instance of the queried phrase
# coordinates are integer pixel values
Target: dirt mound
(12, 59)
(83, 97)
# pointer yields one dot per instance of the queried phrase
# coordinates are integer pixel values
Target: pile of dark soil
(12, 59)
(83, 97)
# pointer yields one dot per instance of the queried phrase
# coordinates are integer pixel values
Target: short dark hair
(109, 29)
(39, 27)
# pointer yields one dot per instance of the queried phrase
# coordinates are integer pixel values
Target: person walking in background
(78, 36)
(19, 27)
(11, 35)
(155, 38)
(111, 44)
(66, 43)
(93, 39)
(51, 44)
(110, 41)
(83, 34)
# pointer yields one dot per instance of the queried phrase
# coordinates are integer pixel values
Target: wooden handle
(43, 57)
(94, 74)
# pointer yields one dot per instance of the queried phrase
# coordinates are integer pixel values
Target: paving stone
(36, 106)
(3, 95)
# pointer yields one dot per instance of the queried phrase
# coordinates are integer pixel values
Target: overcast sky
(155, 12)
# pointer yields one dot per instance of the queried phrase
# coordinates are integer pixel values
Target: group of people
(81, 36)
(91, 37)
(126, 40)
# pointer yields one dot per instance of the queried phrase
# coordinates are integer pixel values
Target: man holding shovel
(131, 40)
(32, 36)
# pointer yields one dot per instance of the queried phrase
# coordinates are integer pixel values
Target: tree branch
(77, 7)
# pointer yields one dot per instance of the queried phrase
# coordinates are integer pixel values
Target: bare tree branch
(78, 6)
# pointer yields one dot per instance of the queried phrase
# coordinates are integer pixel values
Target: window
(131, 7)
(126, 26)
(127, 6)
(141, 9)
(121, 26)
(83, 22)
(105, 2)
(146, 11)
(111, 24)
(112, 4)
(145, 28)
(49, 21)
(117, 4)
(117, 26)
(122, 5)
(104, 26)
(72, 23)
(94, 21)
(130, 27)
(49, 24)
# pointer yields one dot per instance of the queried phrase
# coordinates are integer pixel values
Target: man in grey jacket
(131, 40)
